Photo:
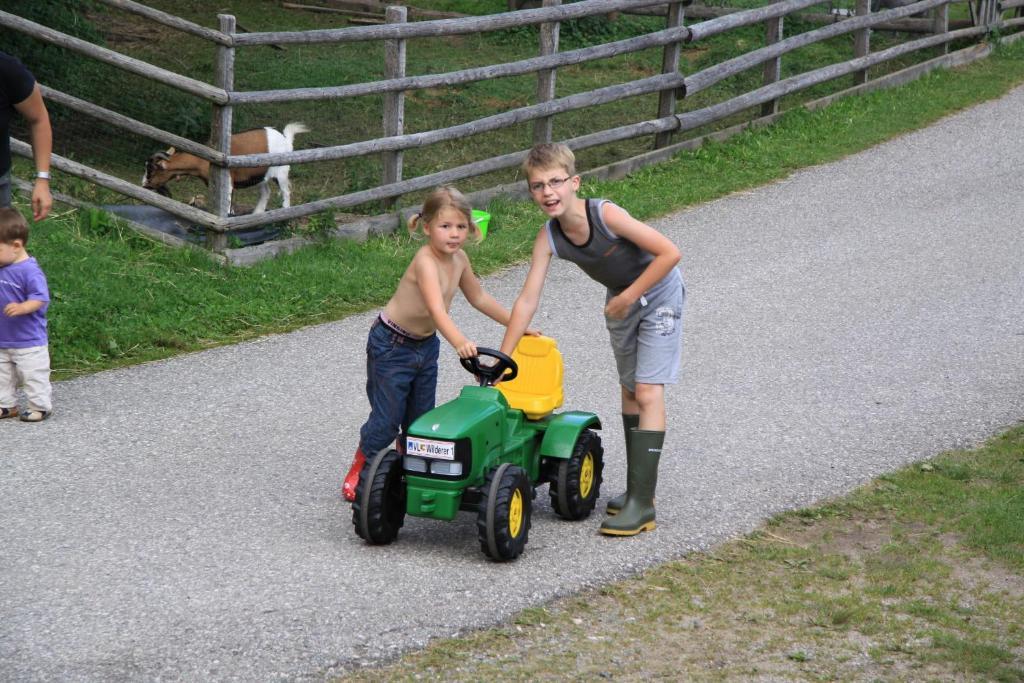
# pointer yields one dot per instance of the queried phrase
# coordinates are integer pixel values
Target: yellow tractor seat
(537, 390)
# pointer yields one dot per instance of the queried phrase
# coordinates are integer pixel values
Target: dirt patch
(979, 574)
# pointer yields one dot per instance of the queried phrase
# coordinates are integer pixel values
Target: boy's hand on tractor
(532, 332)
(618, 306)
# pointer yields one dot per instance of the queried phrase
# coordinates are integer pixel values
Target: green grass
(121, 299)
(888, 583)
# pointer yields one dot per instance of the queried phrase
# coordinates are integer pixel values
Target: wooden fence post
(940, 25)
(986, 12)
(542, 128)
(862, 42)
(669, 65)
(995, 15)
(773, 67)
(394, 102)
(220, 176)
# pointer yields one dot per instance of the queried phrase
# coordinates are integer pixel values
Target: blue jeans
(401, 383)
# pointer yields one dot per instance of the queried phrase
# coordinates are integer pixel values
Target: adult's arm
(41, 137)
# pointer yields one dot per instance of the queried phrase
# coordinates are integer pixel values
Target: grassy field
(121, 299)
(918, 576)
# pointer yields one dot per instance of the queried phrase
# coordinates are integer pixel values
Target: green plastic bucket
(482, 219)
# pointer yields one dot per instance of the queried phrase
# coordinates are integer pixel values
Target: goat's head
(157, 172)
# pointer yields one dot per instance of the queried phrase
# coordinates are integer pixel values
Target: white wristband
(45, 175)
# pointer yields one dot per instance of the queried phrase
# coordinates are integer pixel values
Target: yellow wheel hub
(515, 513)
(586, 475)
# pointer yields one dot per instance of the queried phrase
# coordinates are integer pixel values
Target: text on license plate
(428, 448)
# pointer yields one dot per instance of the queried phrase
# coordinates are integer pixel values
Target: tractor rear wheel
(577, 484)
(503, 521)
(378, 511)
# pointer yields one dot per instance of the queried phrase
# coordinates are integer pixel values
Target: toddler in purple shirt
(24, 345)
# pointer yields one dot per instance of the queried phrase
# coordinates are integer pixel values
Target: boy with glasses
(643, 312)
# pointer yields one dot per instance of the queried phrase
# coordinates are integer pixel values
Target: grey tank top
(613, 261)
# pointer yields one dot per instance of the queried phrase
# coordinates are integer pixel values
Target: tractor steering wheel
(489, 374)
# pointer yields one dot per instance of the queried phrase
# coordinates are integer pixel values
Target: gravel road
(180, 520)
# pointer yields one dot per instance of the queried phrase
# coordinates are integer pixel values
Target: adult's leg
(5, 190)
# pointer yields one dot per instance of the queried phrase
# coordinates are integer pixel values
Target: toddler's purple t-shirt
(20, 282)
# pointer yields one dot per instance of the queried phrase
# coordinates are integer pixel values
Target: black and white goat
(163, 167)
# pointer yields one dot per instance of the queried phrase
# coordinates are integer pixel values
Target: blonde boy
(643, 312)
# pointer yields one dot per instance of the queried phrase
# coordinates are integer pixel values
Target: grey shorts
(648, 342)
(5, 189)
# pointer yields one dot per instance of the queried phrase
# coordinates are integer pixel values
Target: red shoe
(348, 489)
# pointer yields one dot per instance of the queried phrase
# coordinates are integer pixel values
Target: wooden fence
(666, 122)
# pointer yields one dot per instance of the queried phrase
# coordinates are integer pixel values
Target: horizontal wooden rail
(747, 17)
(605, 95)
(526, 66)
(907, 25)
(714, 74)
(123, 187)
(443, 27)
(1011, 23)
(102, 54)
(170, 20)
(1011, 4)
(132, 125)
(716, 112)
(655, 11)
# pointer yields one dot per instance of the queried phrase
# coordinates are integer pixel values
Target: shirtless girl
(402, 349)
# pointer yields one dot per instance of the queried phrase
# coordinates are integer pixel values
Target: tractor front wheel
(378, 511)
(577, 485)
(503, 522)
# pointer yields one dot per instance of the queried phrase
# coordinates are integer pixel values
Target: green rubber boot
(641, 480)
(629, 423)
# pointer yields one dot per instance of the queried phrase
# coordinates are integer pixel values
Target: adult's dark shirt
(16, 83)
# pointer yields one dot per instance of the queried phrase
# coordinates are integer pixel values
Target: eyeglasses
(554, 184)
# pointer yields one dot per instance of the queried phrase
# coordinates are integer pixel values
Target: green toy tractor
(486, 452)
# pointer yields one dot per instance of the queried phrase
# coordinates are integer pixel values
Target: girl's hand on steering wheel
(466, 349)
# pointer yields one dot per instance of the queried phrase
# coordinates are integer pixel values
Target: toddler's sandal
(8, 412)
(35, 415)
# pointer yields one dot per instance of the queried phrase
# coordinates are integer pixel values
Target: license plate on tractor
(428, 448)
